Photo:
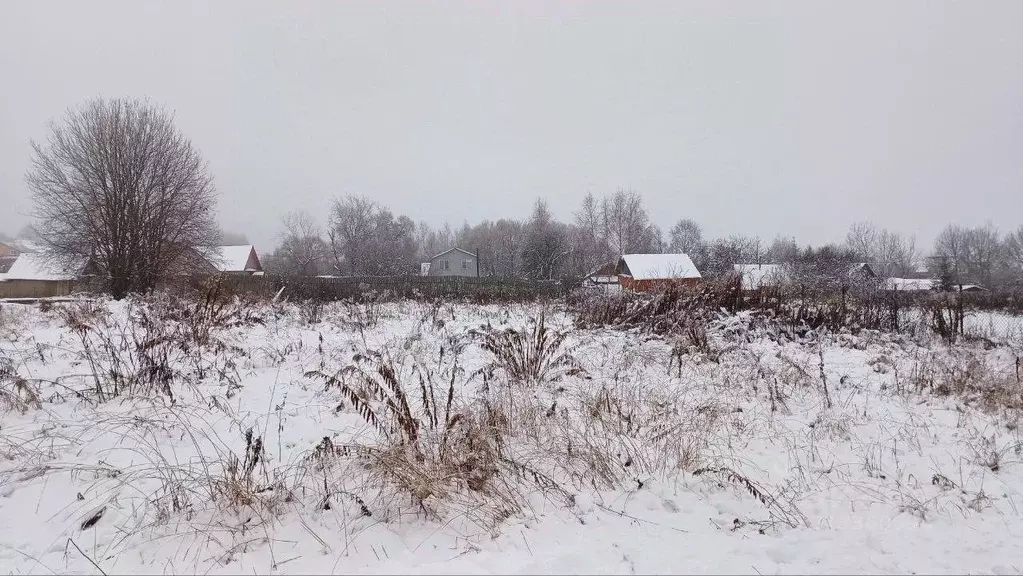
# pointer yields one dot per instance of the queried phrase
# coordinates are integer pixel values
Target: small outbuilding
(646, 272)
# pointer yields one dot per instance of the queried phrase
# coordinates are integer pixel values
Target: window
(446, 265)
(465, 264)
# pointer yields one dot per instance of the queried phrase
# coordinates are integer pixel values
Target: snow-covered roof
(466, 252)
(909, 284)
(231, 258)
(660, 266)
(33, 266)
(24, 245)
(759, 275)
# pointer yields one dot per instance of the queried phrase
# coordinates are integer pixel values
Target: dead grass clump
(668, 311)
(780, 511)
(245, 482)
(946, 314)
(964, 373)
(15, 392)
(531, 356)
(433, 452)
(144, 352)
(211, 309)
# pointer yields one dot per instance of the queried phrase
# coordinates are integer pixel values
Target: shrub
(531, 356)
(439, 450)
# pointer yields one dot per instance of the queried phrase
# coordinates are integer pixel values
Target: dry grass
(15, 392)
(431, 441)
(532, 356)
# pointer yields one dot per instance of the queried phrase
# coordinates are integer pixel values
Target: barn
(647, 272)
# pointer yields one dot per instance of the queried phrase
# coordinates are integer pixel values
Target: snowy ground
(840, 454)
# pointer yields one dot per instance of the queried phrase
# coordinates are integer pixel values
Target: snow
(909, 284)
(230, 258)
(660, 266)
(33, 266)
(889, 479)
(756, 276)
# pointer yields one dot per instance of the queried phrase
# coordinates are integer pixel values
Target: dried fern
(532, 356)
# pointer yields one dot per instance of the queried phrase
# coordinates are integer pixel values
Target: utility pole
(477, 262)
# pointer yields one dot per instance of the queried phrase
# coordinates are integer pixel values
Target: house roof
(660, 266)
(33, 266)
(759, 275)
(24, 245)
(231, 258)
(864, 267)
(466, 252)
(909, 284)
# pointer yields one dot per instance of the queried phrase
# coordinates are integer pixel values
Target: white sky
(750, 117)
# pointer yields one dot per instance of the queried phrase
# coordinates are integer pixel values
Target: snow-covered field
(841, 453)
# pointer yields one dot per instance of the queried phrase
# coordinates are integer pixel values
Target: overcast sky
(752, 117)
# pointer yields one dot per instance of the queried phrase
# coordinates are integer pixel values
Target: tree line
(364, 238)
(118, 185)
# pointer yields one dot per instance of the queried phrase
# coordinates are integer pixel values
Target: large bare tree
(118, 185)
(545, 245)
(351, 229)
(302, 251)
(625, 222)
(1012, 254)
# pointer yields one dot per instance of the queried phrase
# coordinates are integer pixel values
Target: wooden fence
(390, 287)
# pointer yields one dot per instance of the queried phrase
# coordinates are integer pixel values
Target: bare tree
(686, 237)
(509, 243)
(906, 257)
(862, 240)
(950, 247)
(724, 253)
(118, 185)
(782, 250)
(302, 251)
(983, 252)
(653, 240)
(1012, 254)
(588, 238)
(351, 228)
(970, 253)
(625, 222)
(546, 243)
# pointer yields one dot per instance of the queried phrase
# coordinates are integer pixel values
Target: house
(235, 260)
(862, 271)
(34, 266)
(34, 276)
(241, 260)
(645, 272)
(453, 262)
(758, 276)
(604, 278)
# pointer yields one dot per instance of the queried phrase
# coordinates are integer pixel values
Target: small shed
(32, 275)
(646, 272)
